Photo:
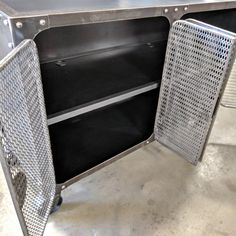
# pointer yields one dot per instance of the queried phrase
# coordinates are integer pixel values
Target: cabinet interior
(101, 83)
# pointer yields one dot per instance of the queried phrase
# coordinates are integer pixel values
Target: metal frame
(6, 42)
(22, 26)
(28, 25)
(16, 28)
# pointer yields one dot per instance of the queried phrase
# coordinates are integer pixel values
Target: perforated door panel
(25, 148)
(198, 61)
(229, 96)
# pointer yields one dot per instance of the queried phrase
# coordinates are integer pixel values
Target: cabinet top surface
(50, 7)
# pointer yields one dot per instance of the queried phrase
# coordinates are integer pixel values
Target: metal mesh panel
(229, 97)
(27, 160)
(198, 59)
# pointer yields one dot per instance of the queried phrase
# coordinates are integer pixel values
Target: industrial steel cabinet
(82, 84)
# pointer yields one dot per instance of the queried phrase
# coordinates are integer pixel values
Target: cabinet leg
(57, 202)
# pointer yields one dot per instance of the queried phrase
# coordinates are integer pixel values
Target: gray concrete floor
(151, 192)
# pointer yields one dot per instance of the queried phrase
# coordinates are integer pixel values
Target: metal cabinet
(83, 85)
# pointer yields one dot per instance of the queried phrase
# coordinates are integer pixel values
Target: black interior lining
(77, 81)
(224, 19)
(85, 141)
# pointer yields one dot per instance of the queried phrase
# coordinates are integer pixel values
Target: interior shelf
(100, 103)
(85, 141)
(89, 77)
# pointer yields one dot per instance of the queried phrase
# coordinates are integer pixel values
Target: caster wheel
(57, 204)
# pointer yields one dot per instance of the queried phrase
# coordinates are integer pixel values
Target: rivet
(5, 22)
(42, 22)
(19, 25)
(185, 8)
(11, 45)
(176, 9)
(166, 10)
(147, 142)
(63, 187)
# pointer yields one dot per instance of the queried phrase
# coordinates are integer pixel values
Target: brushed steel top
(16, 8)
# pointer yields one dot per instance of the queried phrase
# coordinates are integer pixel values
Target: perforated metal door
(229, 96)
(198, 60)
(25, 148)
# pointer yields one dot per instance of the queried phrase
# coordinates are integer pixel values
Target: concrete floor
(151, 192)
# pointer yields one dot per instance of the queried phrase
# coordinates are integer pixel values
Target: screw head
(19, 25)
(42, 22)
(11, 45)
(166, 10)
(5, 22)
(176, 9)
(185, 8)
